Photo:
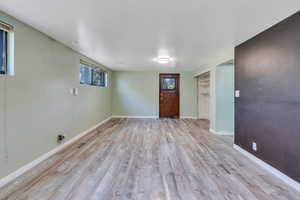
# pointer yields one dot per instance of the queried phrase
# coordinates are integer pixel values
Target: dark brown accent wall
(267, 73)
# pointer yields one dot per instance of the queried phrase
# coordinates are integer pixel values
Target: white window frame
(9, 49)
(94, 67)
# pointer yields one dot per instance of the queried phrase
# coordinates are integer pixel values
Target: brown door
(169, 95)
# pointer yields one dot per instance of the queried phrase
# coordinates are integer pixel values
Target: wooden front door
(169, 95)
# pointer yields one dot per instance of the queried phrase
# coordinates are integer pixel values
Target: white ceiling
(128, 34)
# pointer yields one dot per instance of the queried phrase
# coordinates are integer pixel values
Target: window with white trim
(6, 49)
(92, 75)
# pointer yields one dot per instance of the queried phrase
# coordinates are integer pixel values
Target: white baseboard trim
(213, 131)
(149, 117)
(269, 168)
(135, 117)
(4, 181)
(187, 117)
(220, 132)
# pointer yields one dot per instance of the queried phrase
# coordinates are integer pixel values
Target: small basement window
(92, 75)
(6, 49)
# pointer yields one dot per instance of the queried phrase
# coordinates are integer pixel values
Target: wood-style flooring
(157, 159)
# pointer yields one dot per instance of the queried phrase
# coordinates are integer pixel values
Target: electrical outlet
(60, 138)
(254, 146)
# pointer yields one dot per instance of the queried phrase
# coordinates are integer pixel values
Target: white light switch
(237, 93)
(254, 146)
(75, 92)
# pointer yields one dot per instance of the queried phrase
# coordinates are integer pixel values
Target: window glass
(85, 75)
(3, 37)
(96, 77)
(99, 78)
(169, 84)
(92, 76)
(6, 49)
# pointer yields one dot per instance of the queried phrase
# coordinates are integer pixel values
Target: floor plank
(165, 159)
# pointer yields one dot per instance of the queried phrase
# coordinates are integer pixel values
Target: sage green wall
(212, 105)
(137, 94)
(36, 104)
(221, 97)
(225, 98)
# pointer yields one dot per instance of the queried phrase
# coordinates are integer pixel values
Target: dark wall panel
(267, 73)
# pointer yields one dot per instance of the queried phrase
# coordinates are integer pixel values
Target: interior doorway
(169, 85)
(203, 83)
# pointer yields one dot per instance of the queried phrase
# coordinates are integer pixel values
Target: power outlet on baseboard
(254, 146)
(61, 138)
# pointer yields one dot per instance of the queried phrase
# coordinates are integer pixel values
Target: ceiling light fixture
(163, 59)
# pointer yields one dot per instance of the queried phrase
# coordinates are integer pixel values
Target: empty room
(158, 100)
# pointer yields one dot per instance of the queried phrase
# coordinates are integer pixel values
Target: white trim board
(203, 72)
(269, 168)
(141, 117)
(149, 117)
(187, 117)
(4, 181)
(220, 132)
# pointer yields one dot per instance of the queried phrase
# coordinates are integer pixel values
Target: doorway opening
(169, 85)
(203, 83)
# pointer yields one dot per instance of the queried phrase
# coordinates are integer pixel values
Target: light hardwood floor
(149, 159)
